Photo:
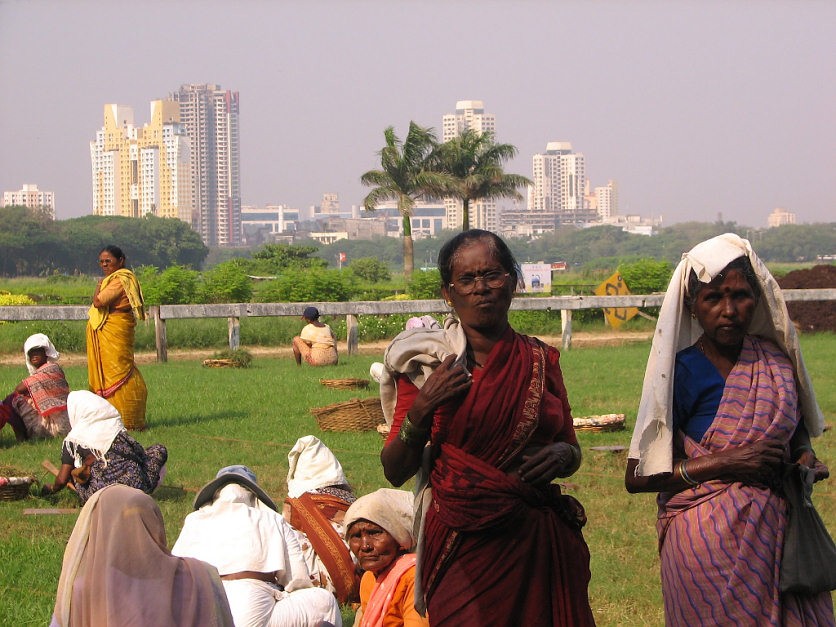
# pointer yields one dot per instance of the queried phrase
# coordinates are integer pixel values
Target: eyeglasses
(106, 262)
(466, 283)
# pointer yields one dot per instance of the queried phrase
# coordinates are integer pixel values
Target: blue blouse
(697, 391)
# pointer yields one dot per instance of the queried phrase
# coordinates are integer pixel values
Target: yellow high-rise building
(137, 171)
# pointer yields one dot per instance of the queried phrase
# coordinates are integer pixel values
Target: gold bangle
(684, 474)
(411, 435)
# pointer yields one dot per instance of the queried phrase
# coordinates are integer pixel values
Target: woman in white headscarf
(37, 408)
(726, 402)
(318, 494)
(98, 451)
(117, 570)
(379, 533)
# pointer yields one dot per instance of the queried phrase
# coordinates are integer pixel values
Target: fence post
(234, 324)
(566, 327)
(352, 333)
(159, 335)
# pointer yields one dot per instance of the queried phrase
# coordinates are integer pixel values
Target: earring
(449, 303)
(693, 316)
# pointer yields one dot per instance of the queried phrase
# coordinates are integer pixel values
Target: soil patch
(812, 316)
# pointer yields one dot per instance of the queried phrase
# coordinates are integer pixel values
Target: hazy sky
(695, 108)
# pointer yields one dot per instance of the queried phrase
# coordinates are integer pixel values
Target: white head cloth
(312, 465)
(39, 340)
(237, 532)
(389, 509)
(416, 353)
(652, 442)
(95, 423)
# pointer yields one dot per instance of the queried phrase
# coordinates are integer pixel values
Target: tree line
(32, 244)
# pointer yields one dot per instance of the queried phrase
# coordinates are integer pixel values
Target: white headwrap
(652, 442)
(39, 340)
(312, 465)
(390, 509)
(95, 424)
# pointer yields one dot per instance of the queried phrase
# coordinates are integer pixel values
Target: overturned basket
(354, 415)
(13, 487)
(345, 384)
(605, 422)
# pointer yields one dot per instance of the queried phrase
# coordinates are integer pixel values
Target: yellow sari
(111, 371)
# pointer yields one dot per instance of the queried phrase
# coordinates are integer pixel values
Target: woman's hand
(450, 380)
(753, 464)
(808, 458)
(559, 459)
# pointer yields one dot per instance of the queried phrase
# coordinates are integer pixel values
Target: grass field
(210, 418)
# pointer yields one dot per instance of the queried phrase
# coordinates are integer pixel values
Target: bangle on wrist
(683, 474)
(411, 435)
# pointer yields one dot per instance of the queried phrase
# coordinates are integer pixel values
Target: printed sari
(43, 411)
(111, 370)
(486, 531)
(726, 571)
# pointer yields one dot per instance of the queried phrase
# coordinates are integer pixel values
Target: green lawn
(210, 418)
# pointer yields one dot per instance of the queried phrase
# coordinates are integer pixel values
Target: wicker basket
(353, 415)
(13, 487)
(606, 422)
(345, 384)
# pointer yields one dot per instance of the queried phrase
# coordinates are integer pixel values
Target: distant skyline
(696, 109)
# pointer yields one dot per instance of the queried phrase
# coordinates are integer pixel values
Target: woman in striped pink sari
(726, 401)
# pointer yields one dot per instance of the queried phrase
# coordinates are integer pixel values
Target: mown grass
(210, 418)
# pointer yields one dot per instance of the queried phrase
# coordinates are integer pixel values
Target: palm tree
(474, 162)
(405, 176)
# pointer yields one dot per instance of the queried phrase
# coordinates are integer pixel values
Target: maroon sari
(498, 551)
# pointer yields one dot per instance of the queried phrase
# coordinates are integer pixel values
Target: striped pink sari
(720, 544)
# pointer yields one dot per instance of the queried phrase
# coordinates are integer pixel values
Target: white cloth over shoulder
(234, 534)
(416, 353)
(652, 441)
(312, 465)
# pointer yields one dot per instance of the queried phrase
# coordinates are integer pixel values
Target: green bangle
(411, 435)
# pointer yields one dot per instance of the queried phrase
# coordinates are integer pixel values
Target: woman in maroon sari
(481, 411)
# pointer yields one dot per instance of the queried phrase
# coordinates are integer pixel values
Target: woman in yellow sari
(111, 371)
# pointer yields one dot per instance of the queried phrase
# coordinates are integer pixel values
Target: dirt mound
(813, 316)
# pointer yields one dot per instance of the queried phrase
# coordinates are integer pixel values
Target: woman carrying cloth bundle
(111, 371)
(481, 413)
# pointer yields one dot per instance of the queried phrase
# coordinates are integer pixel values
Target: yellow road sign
(615, 286)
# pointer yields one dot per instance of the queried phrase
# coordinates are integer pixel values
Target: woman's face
(485, 307)
(110, 264)
(374, 547)
(37, 356)
(724, 308)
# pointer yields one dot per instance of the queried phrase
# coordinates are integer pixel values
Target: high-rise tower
(470, 114)
(210, 117)
(137, 171)
(559, 182)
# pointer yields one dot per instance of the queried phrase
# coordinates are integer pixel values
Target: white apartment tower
(140, 171)
(470, 114)
(559, 181)
(31, 197)
(210, 117)
(606, 200)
